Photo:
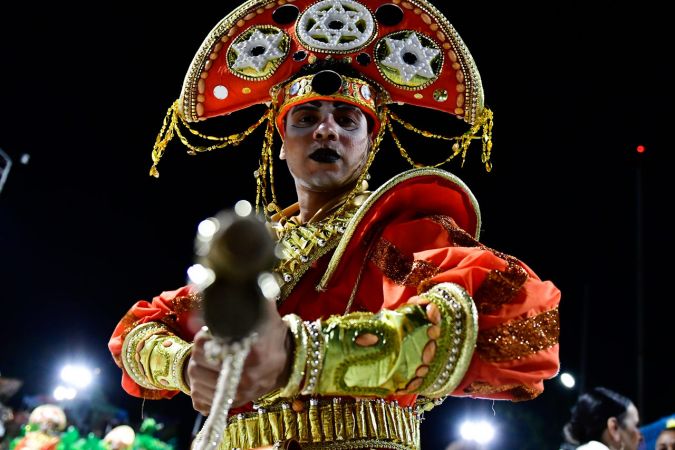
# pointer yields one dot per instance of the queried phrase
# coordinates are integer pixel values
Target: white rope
(233, 355)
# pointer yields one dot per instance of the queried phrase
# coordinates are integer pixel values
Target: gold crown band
(355, 91)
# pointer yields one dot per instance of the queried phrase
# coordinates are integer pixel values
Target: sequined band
(401, 268)
(500, 287)
(327, 423)
(520, 338)
(297, 375)
(515, 392)
(455, 345)
(316, 354)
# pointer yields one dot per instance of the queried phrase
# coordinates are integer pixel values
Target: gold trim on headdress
(355, 91)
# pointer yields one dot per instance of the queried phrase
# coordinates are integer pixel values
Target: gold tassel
(164, 137)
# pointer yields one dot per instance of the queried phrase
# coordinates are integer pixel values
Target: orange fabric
(161, 308)
(404, 217)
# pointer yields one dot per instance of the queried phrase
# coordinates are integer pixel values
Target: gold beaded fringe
(174, 123)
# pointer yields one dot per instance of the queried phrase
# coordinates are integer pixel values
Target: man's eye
(346, 121)
(305, 119)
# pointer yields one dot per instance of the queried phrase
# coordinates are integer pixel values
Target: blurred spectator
(603, 420)
(666, 439)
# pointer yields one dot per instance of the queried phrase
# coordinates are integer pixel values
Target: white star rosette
(258, 52)
(408, 59)
(336, 26)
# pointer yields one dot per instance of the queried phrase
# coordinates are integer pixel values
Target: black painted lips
(324, 155)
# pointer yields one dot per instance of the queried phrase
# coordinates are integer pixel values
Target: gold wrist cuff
(165, 356)
(297, 327)
(154, 357)
(131, 352)
(457, 340)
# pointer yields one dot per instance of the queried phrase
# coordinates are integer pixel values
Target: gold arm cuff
(166, 355)
(297, 327)
(133, 344)
(457, 340)
(154, 357)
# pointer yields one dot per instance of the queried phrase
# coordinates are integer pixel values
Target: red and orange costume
(367, 361)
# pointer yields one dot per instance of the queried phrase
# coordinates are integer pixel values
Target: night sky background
(85, 232)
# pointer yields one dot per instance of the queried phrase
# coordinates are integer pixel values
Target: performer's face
(666, 440)
(326, 144)
(628, 433)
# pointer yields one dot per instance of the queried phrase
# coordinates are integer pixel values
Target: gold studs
(426, 19)
(460, 100)
(418, 96)
(200, 109)
(201, 86)
(246, 90)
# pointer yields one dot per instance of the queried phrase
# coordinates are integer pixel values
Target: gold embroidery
(520, 338)
(186, 303)
(399, 267)
(500, 287)
(518, 392)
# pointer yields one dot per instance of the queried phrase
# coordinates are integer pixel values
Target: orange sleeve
(518, 322)
(175, 309)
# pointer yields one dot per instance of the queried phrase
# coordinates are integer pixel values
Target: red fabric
(159, 309)
(404, 217)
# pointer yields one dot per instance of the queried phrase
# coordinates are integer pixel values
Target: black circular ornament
(389, 15)
(326, 82)
(285, 14)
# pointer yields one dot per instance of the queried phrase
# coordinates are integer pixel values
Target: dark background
(85, 232)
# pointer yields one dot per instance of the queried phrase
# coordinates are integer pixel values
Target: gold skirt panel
(327, 423)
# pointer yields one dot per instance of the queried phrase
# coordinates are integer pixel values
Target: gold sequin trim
(186, 303)
(401, 268)
(521, 338)
(517, 392)
(500, 287)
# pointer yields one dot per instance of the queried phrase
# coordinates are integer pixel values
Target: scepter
(235, 254)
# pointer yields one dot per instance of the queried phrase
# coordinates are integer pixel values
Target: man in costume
(388, 302)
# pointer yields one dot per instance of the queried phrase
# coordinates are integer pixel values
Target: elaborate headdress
(403, 52)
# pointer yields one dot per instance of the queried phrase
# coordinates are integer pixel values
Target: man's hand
(267, 366)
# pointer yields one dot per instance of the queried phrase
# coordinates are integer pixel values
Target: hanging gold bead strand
(171, 127)
(461, 143)
(164, 137)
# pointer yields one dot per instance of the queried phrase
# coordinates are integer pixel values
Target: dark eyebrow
(314, 105)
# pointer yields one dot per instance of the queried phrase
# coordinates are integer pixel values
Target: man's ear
(282, 152)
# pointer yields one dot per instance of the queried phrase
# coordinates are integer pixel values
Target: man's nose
(326, 130)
